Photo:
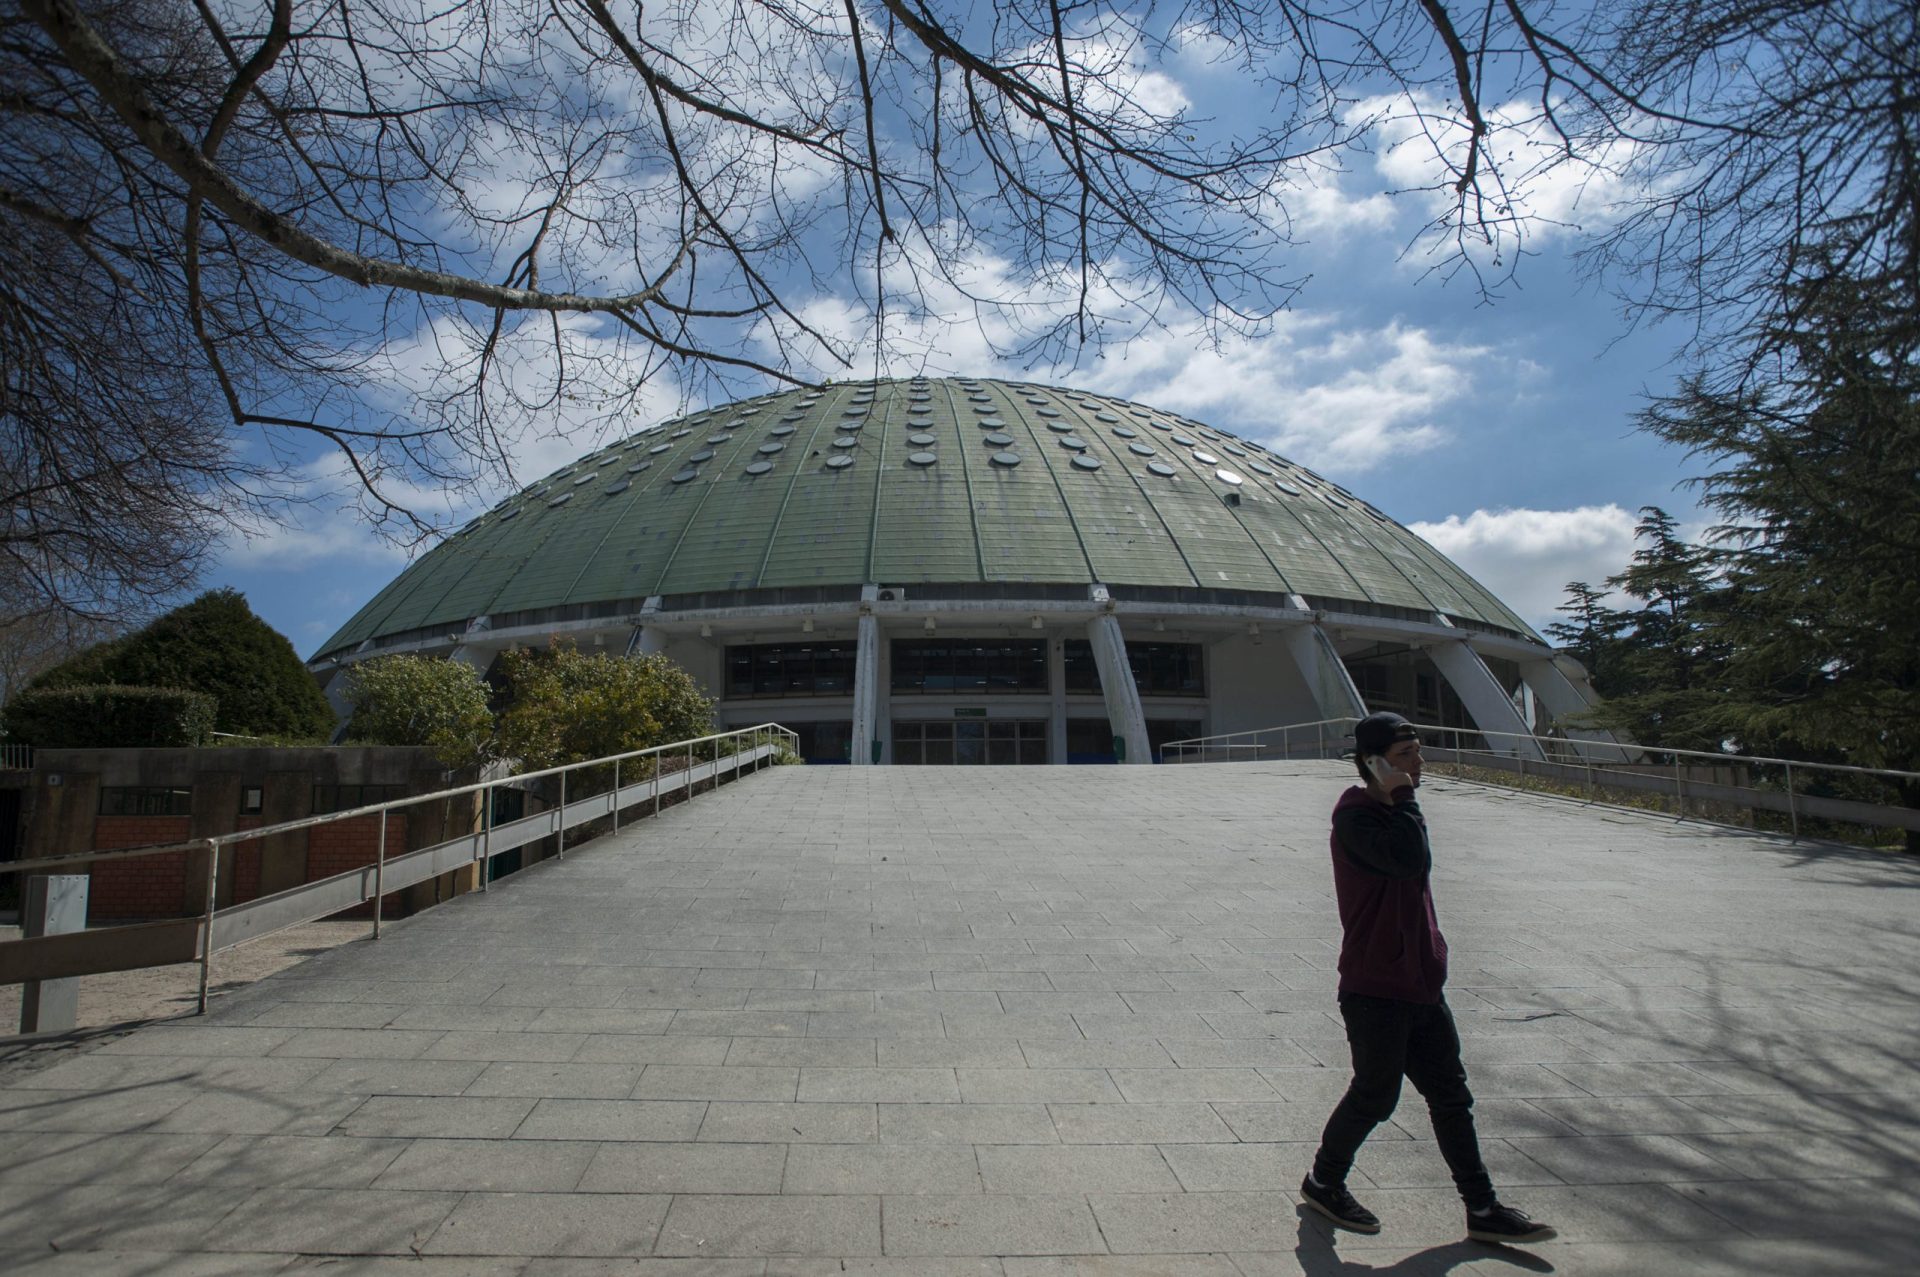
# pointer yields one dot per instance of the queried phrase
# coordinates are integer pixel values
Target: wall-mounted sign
(971, 711)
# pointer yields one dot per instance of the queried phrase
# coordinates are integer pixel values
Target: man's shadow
(1318, 1258)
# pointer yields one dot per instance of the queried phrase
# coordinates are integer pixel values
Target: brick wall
(144, 886)
(246, 863)
(351, 844)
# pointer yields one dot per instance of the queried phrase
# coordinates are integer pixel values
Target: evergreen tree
(214, 645)
(1593, 633)
(1665, 667)
(1817, 477)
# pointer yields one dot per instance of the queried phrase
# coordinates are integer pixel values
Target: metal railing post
(560, 826)
(1793, 808)
(656, 783)
(1679, 792)
(616, 795)
(206, 942)
(379, 874)
(689, 784)
(1321, 742)
(486, 837)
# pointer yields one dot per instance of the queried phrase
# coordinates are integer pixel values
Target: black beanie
(1376, 733)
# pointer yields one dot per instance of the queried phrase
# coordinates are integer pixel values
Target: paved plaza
(1026, 1022)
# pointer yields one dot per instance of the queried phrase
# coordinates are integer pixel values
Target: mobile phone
(1379, 766)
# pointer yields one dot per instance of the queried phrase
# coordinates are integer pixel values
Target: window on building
(970, 667)
(791, 669)
(996, 742)
(1090, 740)
(1159, 669)
(252, 800)
(332, 798)
(1162, 730)
(145, 800)
(829, 742)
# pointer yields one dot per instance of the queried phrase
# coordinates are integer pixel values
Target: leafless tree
(235, 228)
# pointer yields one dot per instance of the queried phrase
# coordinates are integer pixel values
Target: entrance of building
(970, 741)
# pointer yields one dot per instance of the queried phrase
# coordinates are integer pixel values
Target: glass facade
(993, 741)
(791, 669)
(971, 667)
(1159, 669)
(829, 742)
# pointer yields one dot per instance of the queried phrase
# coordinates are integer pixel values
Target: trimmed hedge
(215, 645)
(108, 717)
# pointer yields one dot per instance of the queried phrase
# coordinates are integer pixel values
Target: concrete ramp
(1016, 1021)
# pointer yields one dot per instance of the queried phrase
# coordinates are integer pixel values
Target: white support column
(1056, 701)
(1326, 677)
(1116, 684)
(1484, 698)
(1566, 699)
(866, 692)
(336, 694)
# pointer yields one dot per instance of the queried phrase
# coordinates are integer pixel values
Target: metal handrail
(762, 737)
(1562, 742)
(1624, 764)
(218, 841)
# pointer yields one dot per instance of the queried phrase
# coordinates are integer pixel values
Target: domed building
(976, 571)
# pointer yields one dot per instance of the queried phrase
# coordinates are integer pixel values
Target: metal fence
(177, 940)
(1740, 789)
(16, 758)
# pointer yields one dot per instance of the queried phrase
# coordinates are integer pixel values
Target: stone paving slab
(1013, 1023)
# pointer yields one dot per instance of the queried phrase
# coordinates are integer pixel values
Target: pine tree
(1593, 633)
(1817, 478)
(1665, 662)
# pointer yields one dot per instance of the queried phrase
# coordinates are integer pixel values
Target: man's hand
(1388, 777)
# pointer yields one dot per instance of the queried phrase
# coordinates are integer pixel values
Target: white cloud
(1422, 142)
(1526, 557)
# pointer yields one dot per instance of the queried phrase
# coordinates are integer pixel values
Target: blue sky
(1499, 429)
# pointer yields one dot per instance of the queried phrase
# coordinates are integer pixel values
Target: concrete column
(1116, 684)
(866, 692)
(336, 694)
(1485, 699)
(647, 640)
(1566, 699)
(54, 905)
(1333, 691)
(1056, 701)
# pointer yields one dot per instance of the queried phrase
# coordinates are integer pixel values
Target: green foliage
(1817, 478)
(1790, 632)
(416, 700)
(108, 717)
(566, 707)
(214, 645)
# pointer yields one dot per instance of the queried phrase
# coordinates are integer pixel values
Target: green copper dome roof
(899, 482)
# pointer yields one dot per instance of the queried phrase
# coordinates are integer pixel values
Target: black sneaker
(1505, 1224)
(1337, 1204)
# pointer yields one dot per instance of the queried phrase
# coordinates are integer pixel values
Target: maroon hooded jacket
(1392, 946)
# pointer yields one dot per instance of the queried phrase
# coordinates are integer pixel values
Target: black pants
(1390, 1040)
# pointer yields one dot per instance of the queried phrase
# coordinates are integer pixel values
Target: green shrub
(417, 700)
(214, 645)
(109, 717)
(567, 707)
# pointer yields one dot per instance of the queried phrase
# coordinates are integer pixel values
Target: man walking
(1393, 964)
